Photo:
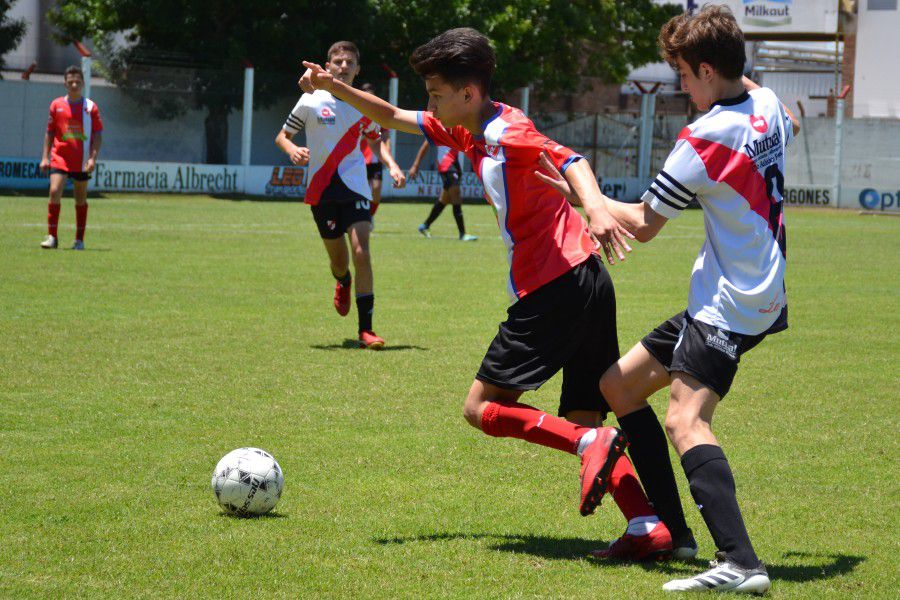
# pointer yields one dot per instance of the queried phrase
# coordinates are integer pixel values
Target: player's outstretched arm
(385, 114)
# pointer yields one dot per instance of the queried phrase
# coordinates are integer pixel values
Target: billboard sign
(776, 17)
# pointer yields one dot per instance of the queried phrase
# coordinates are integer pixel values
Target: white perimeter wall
(877, 75)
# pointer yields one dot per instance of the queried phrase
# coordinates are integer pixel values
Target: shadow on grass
(268, 515)
(823, 566)
(352, 344)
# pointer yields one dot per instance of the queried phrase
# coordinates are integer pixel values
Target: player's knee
(472, 410)
(360, 254)
(615, 393)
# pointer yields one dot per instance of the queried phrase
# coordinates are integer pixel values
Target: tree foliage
(11, 32)
(196, 48)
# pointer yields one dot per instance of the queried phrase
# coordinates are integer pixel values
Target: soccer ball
(247, 482)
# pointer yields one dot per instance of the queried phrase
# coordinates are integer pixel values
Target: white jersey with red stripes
(731, 160)
(333, 130)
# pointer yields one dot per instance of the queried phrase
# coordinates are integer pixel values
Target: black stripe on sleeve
(664, 200)
(294, 121)
(674, 181)
(675, 197)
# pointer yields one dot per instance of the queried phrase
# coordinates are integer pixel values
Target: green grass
(192, 326)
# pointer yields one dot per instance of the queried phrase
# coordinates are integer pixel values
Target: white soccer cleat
(423, 229)
(78, 245)
(724, 576)
(468, 238)
(49, 242)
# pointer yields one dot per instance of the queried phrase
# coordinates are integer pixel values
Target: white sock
(641, 525)
(585, 441)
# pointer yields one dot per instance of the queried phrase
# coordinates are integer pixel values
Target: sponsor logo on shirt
(721, 342)
(758, 122)
(326, 117)
(766, 150)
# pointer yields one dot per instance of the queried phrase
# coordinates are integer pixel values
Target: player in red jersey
(374, 160)
(451, 173)
(71, 146)
(563, 312)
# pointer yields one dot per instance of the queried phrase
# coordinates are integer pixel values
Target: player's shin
(530, 424)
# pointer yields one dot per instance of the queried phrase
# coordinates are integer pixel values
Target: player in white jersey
(337, 189)
(730, 161)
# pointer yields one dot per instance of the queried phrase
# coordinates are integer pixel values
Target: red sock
(626, 490)
(53, 218)
(373, 208)
(532, 425)
(80, 220)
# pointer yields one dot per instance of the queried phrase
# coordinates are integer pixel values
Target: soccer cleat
(368, 339)
(656, 545)
(78, 245)
(468, 238)
(724, 576)
(596, 465)
(423, 229)
(342, 298)
(49, 242)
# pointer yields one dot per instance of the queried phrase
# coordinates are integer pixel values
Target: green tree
(197, 48)
(11, 32)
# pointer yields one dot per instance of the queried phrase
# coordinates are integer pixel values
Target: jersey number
(775, 181)
(362, 205)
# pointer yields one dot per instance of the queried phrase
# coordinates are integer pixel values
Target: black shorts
(373, 171)
(452, 176)
(74, 175)
(706, 353)
(339, 207)
(568, 324)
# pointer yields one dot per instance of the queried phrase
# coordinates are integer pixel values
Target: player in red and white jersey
(337, 189)
(71, 147)
(563, 312)
(451, 172)
(731, 161)
(374, 159)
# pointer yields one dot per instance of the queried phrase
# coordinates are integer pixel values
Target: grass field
(192, 326)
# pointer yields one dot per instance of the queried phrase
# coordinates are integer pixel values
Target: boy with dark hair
(71, 147)
(451, 172)
(563, 311)
(731, 160)
(337, 190)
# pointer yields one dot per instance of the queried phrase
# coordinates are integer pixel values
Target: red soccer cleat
(596, 465)
(368, 339)
(656, 545)
(342, 298)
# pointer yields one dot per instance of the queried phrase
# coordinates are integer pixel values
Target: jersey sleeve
(51, 124)
(435, 133)
(677, 184)
(788, 125)
(296, 120)
(96, 121)
(526, 136)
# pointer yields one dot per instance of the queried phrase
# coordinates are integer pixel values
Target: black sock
(436, 211)
(460, 224)
(365, 306)
(649, 451)
(712, 486)
(344, 279)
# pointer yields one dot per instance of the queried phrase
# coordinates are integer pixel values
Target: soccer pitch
(192, 326)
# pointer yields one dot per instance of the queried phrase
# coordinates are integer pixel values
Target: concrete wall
(877, 70)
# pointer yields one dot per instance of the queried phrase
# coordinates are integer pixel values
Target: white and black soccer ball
(247, 482)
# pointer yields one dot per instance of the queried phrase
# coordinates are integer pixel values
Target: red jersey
(70, 126)
(545, 237)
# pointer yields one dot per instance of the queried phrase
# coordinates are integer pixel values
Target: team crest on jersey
(758, 123)
(326, 117)
(492, 151)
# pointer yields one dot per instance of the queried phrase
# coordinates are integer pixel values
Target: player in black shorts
(451, 173)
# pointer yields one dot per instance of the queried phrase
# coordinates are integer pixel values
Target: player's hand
(609, 236)
(45, 165)
(555, 178)
(319, 78)
(89, 165)
(398, 177)
(304, 82)
(413, 171)
(300, 156)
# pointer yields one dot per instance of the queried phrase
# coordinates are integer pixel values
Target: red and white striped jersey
(333, 130)
(731, 160)
(545, 237)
